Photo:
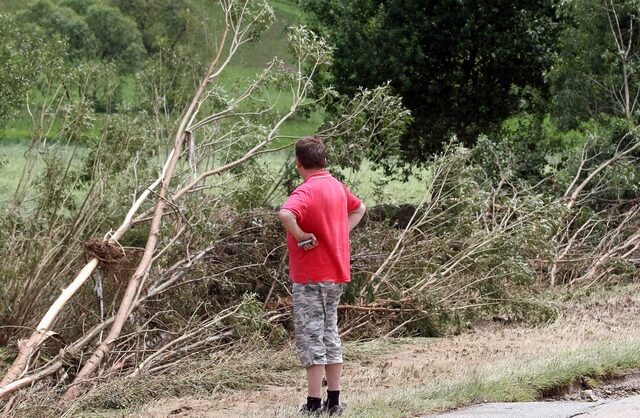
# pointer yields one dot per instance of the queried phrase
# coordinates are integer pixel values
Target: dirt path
(610, 318)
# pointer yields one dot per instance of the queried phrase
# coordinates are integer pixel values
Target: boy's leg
(334, 372)
(314, 380)
(331, 339)
(309, 318)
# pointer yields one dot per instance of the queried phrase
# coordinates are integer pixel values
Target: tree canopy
(157, 20)
(92, 29)
(598, 67)
(59, 20)
(20, 61)
(118, 36)
(462, 67)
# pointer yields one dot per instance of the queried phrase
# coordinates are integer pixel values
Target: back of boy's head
(310, 152)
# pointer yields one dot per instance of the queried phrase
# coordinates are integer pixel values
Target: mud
(420, 361)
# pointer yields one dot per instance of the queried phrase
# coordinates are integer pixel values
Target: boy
(318, 217)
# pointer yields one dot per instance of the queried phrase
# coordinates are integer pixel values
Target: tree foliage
(461, 66)
(92, 29)
(118, 36)
(64, 22)
(23, 52)
(597, 70)
(159, 21)
(79, 6)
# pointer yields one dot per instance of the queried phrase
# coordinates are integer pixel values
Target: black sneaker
(309, 413)
(335, 410)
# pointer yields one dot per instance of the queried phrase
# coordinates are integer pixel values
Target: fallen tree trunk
(27, 348)
(241, 34)
(311, 53)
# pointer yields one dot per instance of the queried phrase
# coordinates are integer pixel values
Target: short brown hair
(310, 152)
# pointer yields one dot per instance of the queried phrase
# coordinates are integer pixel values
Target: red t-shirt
(321, 206)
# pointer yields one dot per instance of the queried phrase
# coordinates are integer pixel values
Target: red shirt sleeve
(297, 203)
(353, 202)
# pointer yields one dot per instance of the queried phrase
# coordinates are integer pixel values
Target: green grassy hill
(202, 36)
(16, 133)
(254, 55)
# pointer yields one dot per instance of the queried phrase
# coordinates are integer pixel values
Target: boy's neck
(306, 173)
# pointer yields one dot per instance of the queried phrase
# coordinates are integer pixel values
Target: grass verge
(512, 380)
(203, 378)
(246, 370)
(509, 381)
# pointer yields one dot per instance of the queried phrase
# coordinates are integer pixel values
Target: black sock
(313, 404)
(333, 398)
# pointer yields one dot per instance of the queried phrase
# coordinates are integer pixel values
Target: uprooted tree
(217, 134)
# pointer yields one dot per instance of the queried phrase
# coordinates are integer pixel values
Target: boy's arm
(356, 216)
(289, 223)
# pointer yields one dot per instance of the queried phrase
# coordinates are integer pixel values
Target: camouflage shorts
(315, 311)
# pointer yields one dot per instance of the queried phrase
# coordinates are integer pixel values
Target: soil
(598, 318)
(618, 387)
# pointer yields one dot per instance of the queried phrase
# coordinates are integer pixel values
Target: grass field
(11, 163)
(372, 186)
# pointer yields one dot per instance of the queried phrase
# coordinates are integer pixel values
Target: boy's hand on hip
(308, 242)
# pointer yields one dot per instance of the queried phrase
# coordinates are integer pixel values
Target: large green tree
(161, 22)
(79, 6)
(461, 66)
(118, 37)
(598, 67)
(20, 62)
(92, 29)
(54, 19)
